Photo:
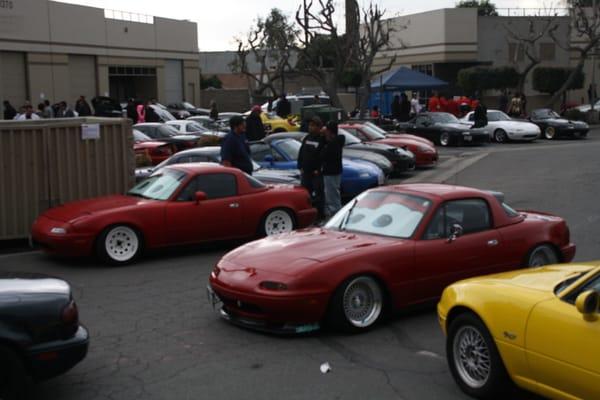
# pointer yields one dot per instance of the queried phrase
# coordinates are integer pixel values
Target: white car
(297, 102)
(588, 107)
(188, 127)
(503, 128)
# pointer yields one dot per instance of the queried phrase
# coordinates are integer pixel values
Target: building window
(131, 71)
(547, 51)
(516, 52)
(424, 68)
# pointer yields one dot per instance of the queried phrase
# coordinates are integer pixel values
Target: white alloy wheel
(471, 357)
(121, 244)
(277, 222)
(445, 139)
(362, 302)
(549, 133)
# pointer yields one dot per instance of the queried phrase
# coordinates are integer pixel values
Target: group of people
(404, 109)
(46, 110)
(140, 112)
(319, 160)
(514, 105)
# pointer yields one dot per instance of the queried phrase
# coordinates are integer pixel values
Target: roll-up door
(13, 82)
(173, 81)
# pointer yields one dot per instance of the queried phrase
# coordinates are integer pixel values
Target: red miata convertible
(389, 248)
(180, 204)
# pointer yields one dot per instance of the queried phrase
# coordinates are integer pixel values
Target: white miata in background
(504, 128)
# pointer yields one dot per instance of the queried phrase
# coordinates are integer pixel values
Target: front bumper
(571, 132)
(276, 314)
(69, 244)
(426, 159)
(51, 359)
(523, 136)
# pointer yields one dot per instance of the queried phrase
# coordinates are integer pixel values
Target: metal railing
(533, 12)
(129, 16)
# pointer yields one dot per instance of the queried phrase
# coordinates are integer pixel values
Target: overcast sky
(221, 20)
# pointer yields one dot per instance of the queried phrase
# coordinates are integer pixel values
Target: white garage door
(173, 81)
(13, 84)
(82, 76)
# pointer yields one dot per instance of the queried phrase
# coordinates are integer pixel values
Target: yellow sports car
(539, 328)
(276, 124)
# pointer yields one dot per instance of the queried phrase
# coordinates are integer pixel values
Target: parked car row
(445, 129)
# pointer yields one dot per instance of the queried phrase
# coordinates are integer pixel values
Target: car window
(289, 148)
(423, 121)
(259, 151)
(255, 183)
(437, 226)
(357, 133)
(472, 214)
(215, 186)
(159, 186)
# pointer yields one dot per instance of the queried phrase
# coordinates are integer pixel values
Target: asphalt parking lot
(154, 336)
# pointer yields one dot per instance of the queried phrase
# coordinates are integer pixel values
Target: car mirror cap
(588, 303)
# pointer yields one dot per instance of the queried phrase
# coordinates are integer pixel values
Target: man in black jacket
(284, 107)
(9, 111)
(255, 130)
(309, 162)
(331, 158)
(82, 107)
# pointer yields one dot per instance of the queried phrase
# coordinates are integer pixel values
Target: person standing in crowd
(40, 110)
(82, 107)
(434, 103)
(404, 108)
(283, 108)
(309, 163)
(255, 130)
(396, 108)
(514, 110)
(480, 116)
(375, 112)
(523, 105)
(453, 107)
(503, 101)
(592, 95)
(140, 111)
(415, 106)
(9, 110)
(28, 114)
(331, 160)
(214, 112)
(48, 110)
(235, 151)
(131, 110)
(317, 99)
(64, 111)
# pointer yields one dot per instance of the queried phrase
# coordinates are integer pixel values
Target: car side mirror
(269, 158)
(456, 231)
(200, 197)
(587, 304)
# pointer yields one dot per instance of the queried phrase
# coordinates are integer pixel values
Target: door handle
(234, 205)
(492, 243)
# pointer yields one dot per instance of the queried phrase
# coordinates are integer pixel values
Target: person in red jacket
(443, 104)
(434, 103)
(453, 107)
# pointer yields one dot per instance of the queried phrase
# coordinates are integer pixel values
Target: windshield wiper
(347, 218)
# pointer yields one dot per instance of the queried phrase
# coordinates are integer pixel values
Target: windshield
(160, 186)
(350, 139)
(195, 127)
(497, 116)
(545, 114)
(167, 131)
(140, 137)
(444, 118)
(290, 148)
(188, 106)
(372, 131)
(163, 113)
(382, 213)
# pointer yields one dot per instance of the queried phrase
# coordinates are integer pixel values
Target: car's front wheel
(119, 245)
(474, 360)
(445, 139)
(14, 380)
(276, 222)
(542, 255)
(357, 305)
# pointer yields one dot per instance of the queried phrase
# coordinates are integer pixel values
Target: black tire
(541, 255)
(500, 136)
(131, 241)
(337, 318)
(282, 216)
(445, 139)
(15, 382)
(497, 384)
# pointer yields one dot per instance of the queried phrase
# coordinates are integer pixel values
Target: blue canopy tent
(391, 83)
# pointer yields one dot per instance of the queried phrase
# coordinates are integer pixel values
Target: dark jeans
(314, 185)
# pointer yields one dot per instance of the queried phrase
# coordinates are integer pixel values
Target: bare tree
(326, 55)
(585, 27)
(270, 46)
(527, 42)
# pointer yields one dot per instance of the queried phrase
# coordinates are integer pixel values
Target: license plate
(213, 299)
(467, 138)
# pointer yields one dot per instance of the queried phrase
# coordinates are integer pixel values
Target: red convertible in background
(389, 248)
(155, 151)
(424, 150)
(180, 204)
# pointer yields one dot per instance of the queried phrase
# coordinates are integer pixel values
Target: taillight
(70, 314)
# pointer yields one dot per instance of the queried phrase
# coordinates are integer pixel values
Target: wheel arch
(270, 208)
(548, 243)
(387, 293)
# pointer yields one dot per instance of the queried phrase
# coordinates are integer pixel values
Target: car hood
(516, 124)
(541, 279)
(29, 283)
(71, 211)
(399, 135)
(292, 253)
(402, 142)
(563, 121)
(147, 145)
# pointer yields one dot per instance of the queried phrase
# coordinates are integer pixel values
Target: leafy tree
(478, 79)
(484, 7)
(550, 79)
(210, 82)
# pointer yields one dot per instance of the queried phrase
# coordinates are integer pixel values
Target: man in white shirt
(415, 106)
(28, 114)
